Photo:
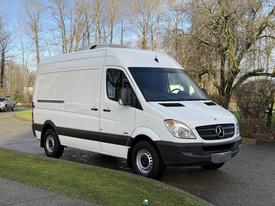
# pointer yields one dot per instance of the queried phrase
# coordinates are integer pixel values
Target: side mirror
(205, 91)
(126, 97)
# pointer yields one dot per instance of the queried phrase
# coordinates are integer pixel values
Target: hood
(195, 113)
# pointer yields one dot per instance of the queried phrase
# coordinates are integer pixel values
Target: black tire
(52, 145)
(146, 161)
(212, 166)
(6, 108)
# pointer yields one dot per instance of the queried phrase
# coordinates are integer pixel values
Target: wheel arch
(47, 125)
(143, 134)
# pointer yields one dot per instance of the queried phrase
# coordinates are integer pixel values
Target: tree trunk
(269, 115)
(121, 33)
(225, 97)
(37, 49)
(2, 70)
(111, 33)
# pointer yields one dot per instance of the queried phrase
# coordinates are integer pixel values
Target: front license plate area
(221, 157)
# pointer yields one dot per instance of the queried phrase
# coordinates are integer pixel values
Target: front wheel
(146, 161)
(212, 166)
(52, 145)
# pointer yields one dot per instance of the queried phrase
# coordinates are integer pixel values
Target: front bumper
(181, 154)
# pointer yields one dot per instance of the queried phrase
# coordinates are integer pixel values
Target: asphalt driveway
(249, 179)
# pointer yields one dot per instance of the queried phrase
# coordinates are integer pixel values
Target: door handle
(106, 110)
(94, 109)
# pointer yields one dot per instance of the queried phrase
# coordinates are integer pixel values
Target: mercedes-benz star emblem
(220, 131)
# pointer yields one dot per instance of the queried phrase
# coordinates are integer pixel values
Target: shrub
(253, 98)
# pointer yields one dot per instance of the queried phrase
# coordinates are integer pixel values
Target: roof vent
(100, 46)
(210, 103)
(172, 104)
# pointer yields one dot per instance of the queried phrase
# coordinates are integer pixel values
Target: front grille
(208, 132)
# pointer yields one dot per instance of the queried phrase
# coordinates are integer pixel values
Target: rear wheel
(146, 161)
(52, 145)
(212, 166)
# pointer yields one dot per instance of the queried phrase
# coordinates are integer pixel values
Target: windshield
(162, 84)
(2, 99)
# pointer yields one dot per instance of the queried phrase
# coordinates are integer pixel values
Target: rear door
(117, 122)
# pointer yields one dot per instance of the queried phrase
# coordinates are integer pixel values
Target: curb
(192, 196)
(265, 141)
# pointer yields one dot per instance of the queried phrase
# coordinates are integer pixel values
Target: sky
(10, 9)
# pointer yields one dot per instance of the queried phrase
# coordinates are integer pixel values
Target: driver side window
(175, 84)
(115, 81)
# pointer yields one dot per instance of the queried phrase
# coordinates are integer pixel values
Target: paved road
(249, 179)
(16, 194)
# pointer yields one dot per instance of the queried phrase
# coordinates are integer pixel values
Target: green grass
(90, 183)
(24, 115)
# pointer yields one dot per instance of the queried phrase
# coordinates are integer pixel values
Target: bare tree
(97, 22)
(112, 17)
(80, 27)
(124, 21)
(19, 81)
(175, 20)
(122, 30)
(58, 12)
(72, 23)
(231, 29)
(146, 19)
(86, 36)
(32, 12)
(4, 46)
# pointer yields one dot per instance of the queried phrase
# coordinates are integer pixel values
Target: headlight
(179, 130)
(237, 129)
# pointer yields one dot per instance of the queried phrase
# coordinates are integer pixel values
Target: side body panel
(82, 93)
(67, 93)
(49, 97)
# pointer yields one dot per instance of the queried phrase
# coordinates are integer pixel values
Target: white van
(135, 104)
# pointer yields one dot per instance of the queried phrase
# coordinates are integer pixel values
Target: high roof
(124, 57)
(139, 58)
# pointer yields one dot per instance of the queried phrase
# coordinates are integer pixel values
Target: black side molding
(51, 101)
(123, 140)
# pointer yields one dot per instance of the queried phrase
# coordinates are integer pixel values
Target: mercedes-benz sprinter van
(133, 104)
